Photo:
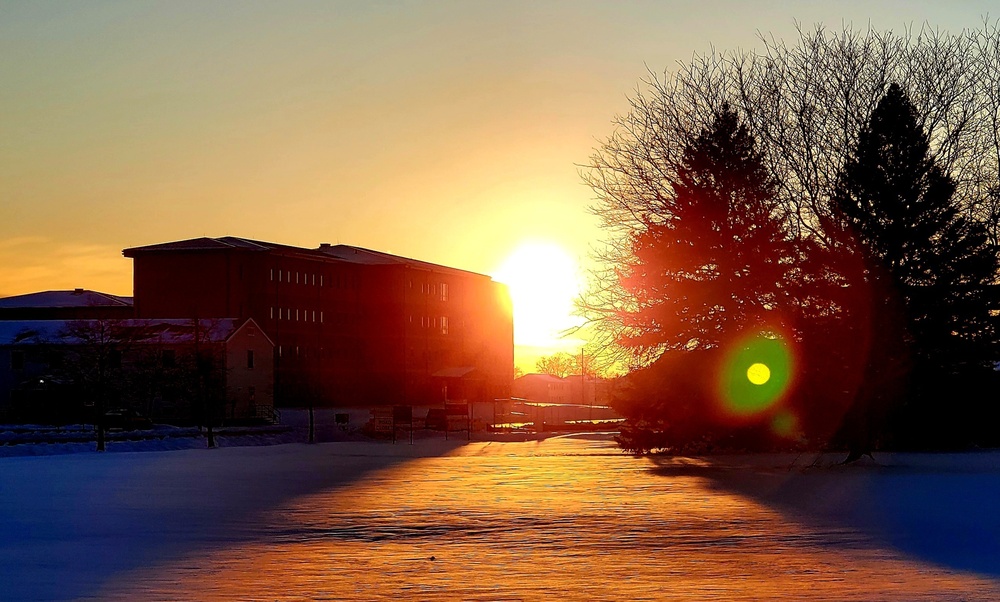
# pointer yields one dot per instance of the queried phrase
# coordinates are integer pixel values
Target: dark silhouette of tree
(926, 271)
(806, 103)
(706, 261)
(93, 361)
(715, 265)
(713, 260)
(206, 371)
(563, 364)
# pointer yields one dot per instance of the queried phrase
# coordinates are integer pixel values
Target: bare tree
(559, 364)
(95, 350)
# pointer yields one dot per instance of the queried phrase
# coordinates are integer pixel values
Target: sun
(544, 281)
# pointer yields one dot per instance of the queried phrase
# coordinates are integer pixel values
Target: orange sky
(445, 131)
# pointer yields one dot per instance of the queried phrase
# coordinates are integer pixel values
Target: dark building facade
(350, 325)
(63, 370)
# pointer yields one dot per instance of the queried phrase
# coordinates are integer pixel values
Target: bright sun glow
(544, 281)
(758, 374)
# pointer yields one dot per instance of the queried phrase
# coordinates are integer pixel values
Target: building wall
(344, 333)
(249, 383)
(182, 285)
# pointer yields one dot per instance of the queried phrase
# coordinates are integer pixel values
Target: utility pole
(583, 386)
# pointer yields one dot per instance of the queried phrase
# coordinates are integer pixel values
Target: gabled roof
(344, 253)
(74, 298)
(199, 244)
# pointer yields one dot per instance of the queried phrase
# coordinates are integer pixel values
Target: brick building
(350, 325)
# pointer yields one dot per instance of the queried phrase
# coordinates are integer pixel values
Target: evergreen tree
(713, 262)
(711, 266)
(926, 273)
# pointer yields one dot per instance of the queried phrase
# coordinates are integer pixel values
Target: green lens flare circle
(755, 376)
(758, 373)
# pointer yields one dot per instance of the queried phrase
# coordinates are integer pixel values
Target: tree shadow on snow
(939, 508)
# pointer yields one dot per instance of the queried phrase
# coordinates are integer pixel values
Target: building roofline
(334, 253)
(74, 298)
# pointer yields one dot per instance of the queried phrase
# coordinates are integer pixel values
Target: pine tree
(713, 263)
(927, 268)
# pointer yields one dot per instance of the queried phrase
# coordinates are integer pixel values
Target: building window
(272, 312)
(249, 359)
(320, 317)
(279, 275)
(272, 274)
(444, 291)
(314, 315)
(168, 358)
(321, 279)
(253, 393)
(296, 315)
(17, 360)
(444, 325)
(314, 279)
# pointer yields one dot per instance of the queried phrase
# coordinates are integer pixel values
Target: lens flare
(755, 375)
(758, 373)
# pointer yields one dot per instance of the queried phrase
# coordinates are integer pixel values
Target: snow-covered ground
(563, 517)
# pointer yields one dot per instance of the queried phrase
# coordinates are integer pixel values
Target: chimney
(78, 291)
(324, 245)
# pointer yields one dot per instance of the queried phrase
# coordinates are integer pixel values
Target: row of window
(287, 313)
(439, 290)
(310, 278)
(433, 322)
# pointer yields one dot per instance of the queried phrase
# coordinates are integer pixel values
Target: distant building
(60, 370)
(542, 388)
(573, 389)
(77, 304)
(350, 325)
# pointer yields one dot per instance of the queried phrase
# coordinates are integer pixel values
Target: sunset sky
(451, 132)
